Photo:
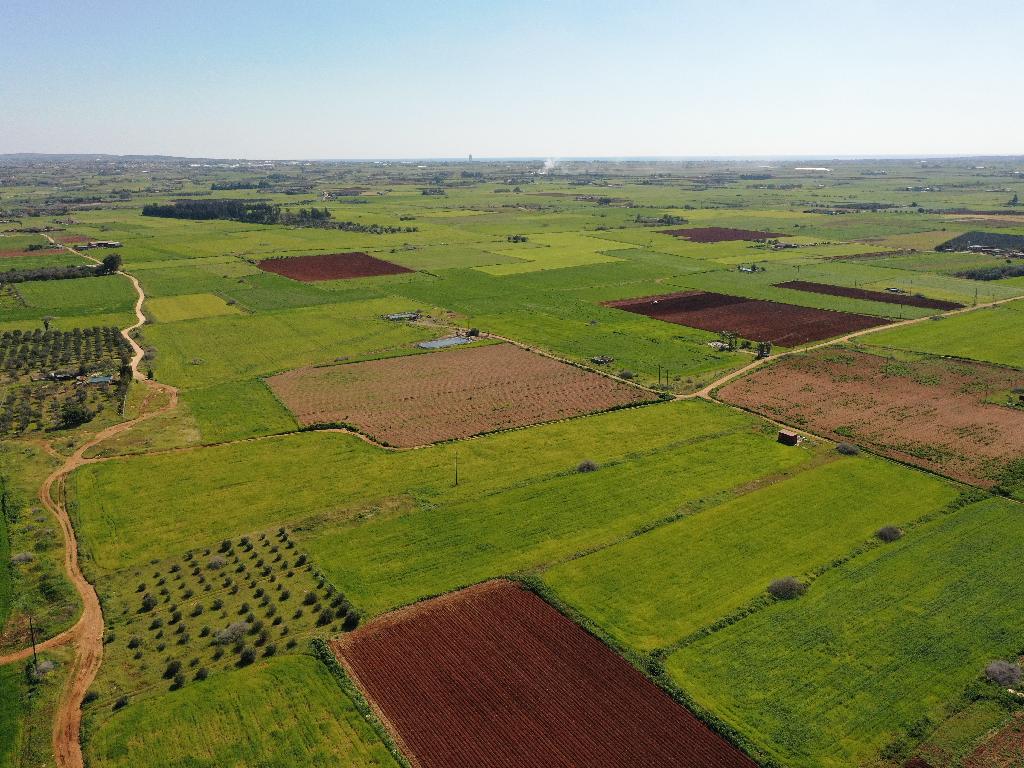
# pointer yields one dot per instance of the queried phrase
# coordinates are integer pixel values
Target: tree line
(108, 266)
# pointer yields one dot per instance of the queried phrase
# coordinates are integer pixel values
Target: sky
(338, 80)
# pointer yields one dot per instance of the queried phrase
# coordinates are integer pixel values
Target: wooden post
(32, 633)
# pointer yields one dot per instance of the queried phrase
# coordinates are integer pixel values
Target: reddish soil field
(494, 677)
(425, 398)
(721, 234)
(72, 239)
(16, 253)
(860, 293)
(755, 319)
(930, 412)
(331, 266)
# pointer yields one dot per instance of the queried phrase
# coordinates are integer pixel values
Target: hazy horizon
(406, 81)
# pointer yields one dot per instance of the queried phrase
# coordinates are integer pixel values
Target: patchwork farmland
(478, 463)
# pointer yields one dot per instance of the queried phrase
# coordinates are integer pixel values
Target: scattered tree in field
(1003, 673)
(787, 588)
(247, 656)
(586, 466)
(173, 668)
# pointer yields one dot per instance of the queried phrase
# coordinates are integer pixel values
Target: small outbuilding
(789, 437)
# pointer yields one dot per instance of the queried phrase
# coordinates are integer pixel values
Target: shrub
(848, 449)
(326, 617)
(90, 697)
(216, 563)
(787, 588)
(22, 557)
(888, 533)
(133, 643)
(1002, 673)
(201, 673)
(309, 598)
(587, 466)
(627, 375)
(271, 650)
(179, 680)
(120, 703)
(246, 657)
(173, 668)
(148, 603)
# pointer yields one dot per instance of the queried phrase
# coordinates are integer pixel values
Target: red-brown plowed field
(72, 239)
(755, 319)
(928, 412)
(494, 677)
(16, 253)
(331, 266)
(425, 398)
(861, 293)
(721, 234)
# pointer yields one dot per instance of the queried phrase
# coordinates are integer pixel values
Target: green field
(286, 712)
(990, 335)
(873, 648)
(702, 568)
(189, 307)
(199, 353)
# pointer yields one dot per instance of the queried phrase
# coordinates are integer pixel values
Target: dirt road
(87, 633)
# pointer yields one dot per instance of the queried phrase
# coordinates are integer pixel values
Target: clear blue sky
(277, 79)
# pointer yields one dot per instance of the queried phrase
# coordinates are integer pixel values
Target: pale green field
(701, 568)
(215, 350)
(287, 712)
(991, 335)
(189, 307)
(552, 251)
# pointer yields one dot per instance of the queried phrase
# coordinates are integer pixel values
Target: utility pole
(32, 633)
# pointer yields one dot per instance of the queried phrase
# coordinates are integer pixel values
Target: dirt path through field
(87, 633)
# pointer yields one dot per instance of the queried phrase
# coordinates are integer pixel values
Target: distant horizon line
(527, 158)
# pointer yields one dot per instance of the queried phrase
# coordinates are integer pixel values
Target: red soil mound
(756, 319)
(721, 234)
(332, 266)
(494, 677)
(861, 293)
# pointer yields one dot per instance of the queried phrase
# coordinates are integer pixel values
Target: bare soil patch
(494, 677)
(331, 266)
(721, 234)
(930, 412)
(20, 252)
(426, 398)
(72, 239)
(756, 319)
(862, 293)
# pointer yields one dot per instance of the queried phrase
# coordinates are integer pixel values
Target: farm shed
(788, 437)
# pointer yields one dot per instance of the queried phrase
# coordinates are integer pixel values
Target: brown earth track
(417, 399)
(787, 325)
(862, 293)
(721, 234)
(494, 677)
(929, 413)
(331, 266)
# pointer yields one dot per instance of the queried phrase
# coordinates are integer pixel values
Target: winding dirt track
(87, 633)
